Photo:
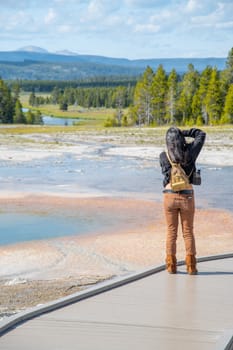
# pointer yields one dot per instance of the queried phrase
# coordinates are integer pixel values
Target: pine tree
(229, 66)
(199, 110)
(226, 75)
(19, 117)
(188, 87)
(38, 118)
(55, 95)
(227, 116)
(171, 96)
(6, 104)
(32, 99)
(213, 99)
(63, 105)
(15, 91)
(196, 109)
(30, 117)
(159, 91)
(143, 97)
(120, 102)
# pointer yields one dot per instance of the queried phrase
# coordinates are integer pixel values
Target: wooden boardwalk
(153, 311)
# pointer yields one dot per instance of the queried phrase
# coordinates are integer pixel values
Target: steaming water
(96, 174)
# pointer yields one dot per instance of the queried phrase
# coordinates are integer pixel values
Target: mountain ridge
(64, 66)
(32, 48)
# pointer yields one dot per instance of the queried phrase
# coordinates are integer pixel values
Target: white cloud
(93, 12)
(14, 4)
(224, 25)
(164, 15)
(194, 6)
(144, 3)
(100, 16)
(218, 18)
(95, 9)
(99, 8)
(17, 23)
(113, 20)
(65, 28)
(50, 16)
(147, 28)
(174, 26)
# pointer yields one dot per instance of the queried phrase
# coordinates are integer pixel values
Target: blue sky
(120, 28)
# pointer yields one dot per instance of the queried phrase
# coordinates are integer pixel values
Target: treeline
(108, 97)
(159, 98)
(194, 98)
(49, 85)
(11, 108)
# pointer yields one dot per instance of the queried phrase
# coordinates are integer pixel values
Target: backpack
(179, 180)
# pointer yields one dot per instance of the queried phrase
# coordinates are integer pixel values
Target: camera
(197, 177)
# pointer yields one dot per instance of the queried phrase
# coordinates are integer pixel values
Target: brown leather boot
(171, 263)
(191, 264)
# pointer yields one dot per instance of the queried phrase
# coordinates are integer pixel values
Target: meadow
(87, 117)
(91, 124)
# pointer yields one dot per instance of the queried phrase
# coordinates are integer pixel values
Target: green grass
(96, 117)
(91, 116)
(30, 129)
(92, 124)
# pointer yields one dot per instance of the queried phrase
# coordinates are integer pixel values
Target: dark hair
(176, 145)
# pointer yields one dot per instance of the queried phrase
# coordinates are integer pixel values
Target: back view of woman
(180, 204)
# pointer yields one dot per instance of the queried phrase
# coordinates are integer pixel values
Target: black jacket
(193, 149)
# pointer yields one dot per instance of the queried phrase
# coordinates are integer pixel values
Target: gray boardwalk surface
(160, 311)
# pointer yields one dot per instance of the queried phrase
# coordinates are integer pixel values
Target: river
(49, 120)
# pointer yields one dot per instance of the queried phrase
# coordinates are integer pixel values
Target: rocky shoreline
(18, 295)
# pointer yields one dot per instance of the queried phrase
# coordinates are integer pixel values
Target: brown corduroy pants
(179, 206)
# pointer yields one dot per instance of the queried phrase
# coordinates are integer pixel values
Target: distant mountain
(32, 48)
(32, 62)
(66, 53)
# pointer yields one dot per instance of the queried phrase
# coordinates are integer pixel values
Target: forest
(11, 109)
(156, 98)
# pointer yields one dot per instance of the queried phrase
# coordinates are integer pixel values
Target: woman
(180, 204)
